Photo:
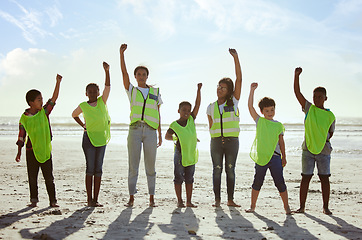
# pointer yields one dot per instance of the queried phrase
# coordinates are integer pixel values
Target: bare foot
(300, 210)
(216, 204)
(288, 211)
(180, 205)
(152, 204)
(327, 211)
(231, 203)
(96, 204)
(54, 205)
(129, 204)
(33, 204)
(191, 205)
(250, 210)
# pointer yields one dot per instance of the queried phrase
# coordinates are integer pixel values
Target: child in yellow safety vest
(96, 135)
(145, 104)
(186, 154)
(35, 123)
(319, 124)
(268, 149)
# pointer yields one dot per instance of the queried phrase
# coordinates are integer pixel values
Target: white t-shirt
(221, 107)
(144, 92)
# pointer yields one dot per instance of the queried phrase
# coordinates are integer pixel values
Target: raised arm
(123, 67)
(298, 94)
(252, 111)
(238, 80)
(56, 89)
(195, 111)
(107, 83)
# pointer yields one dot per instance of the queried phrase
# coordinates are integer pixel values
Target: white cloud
(254, 16)
(30, 21)
(54, 15)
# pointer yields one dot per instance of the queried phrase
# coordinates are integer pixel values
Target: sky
(182, 42)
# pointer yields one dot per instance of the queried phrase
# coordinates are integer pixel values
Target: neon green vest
(98, 122)
(317, 123)
(226, 124)
(266, 140)
(145, 109)
(188, 141)
(37, 127)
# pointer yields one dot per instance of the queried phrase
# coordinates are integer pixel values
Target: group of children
(267, 151)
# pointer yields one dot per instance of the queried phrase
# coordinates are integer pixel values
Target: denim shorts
(182, 174)
(309, 160)
(93, 156)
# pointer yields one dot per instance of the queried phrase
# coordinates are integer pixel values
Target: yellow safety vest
(188, 141)
(225, 124)
(317, 123)
(98, 122)
(266, 140)
(145, 109)
(37, 127)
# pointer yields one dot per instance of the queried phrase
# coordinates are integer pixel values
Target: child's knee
(281, 187)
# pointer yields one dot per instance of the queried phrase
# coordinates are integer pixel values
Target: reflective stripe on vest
(98, 122)
(188, 141)
(226, 124)
(37, 127)
(317, 123)
(145, 109)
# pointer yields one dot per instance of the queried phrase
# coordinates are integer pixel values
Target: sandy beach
(73, 220)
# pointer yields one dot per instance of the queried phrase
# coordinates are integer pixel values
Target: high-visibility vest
(98, 122)
(145, 109)
(266, 140)
(37, 127)
(316, 125)
(188, 141)
(225, 124)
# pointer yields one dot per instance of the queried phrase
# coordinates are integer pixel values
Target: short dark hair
(321, 90)
(140, 67)
(31, 95)
(91, 85)
(266, 102)
(184, 103)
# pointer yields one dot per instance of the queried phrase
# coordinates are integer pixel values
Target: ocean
(346, 142)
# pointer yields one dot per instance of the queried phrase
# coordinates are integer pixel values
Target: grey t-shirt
(277, 148)
(327, 149)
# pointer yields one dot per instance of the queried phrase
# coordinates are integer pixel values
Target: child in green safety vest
(35, 123)
(96, 135)
(268, 149)
(186, 154)
(319, 124)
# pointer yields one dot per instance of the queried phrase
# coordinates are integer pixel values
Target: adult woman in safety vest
(145, 120)
(223, 116)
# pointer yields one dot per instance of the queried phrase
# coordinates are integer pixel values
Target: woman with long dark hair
(223, 116)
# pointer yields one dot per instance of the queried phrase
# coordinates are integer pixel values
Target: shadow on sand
(123, 228)
(341, 227)
(62, 228)
(10, 218)
(184, 225)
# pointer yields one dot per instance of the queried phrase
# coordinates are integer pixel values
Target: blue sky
(182, 43)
